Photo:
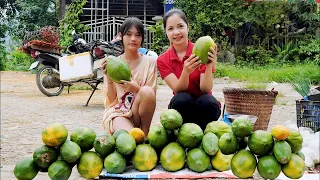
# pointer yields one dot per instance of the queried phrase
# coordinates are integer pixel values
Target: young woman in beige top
(132, 103)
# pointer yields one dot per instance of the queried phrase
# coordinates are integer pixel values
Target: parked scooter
(51, 78)
(48, 77)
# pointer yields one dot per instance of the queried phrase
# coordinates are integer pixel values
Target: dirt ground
(25, 111)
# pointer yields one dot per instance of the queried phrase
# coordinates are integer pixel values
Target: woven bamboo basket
(251, 102)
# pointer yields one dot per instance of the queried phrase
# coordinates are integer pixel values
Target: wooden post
(102, 20)
(114, 27)
(91, 21)
(127, 8)
(95, 19)
(236, 41)
(108, 34)
(144, 12)
(62, 9)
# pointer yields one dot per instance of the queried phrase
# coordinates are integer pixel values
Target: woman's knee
(185, 105)
(121, 123)
(209, 107)
(147, 92)
(207, 101)
(182, 99)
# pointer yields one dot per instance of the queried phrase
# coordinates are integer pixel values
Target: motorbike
(48, 58)
(47, 63)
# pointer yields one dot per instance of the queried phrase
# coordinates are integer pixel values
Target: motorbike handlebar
(79, 45)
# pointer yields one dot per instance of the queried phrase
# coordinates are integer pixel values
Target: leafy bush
(3, 55)
(255, 56)
(160, 41)
(211, 17)
(71, 22)
(289, 53)
(305, 13)
(18, 60)
(309, 51)
(266, 14)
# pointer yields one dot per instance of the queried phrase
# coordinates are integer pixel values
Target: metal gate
(108, 28)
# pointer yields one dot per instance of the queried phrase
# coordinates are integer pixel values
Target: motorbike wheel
(43, 72)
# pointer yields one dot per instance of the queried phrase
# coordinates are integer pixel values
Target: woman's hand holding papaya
(104, 70)
(212, 56)
(130, 86)
(191, 64)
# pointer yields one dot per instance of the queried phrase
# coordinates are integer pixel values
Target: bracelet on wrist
(110, 82)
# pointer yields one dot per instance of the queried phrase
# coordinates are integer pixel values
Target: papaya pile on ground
(173, 144)
(60, 152)
(223, 147)
(176, 145)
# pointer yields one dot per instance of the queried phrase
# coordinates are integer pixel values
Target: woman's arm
(177, 85)
(206, 81)
(181, 84)
(109, 88)
(152, 79)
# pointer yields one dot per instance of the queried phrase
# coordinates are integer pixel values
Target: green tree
(19, 16)
(71, 22)
(160, 41)
(2, 56)
(211, 17)
(34, 14)
(266, 15)
(7, 11)
(7, 8)
(306, 13)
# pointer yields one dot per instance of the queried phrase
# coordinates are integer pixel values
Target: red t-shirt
(169, 63)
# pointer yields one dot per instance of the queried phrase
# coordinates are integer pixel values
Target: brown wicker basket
(251, 102)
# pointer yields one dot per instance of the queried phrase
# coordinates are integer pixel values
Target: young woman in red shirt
(190, 81)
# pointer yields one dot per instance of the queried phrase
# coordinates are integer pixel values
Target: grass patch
(280, 95)
(161, 81)
(79, 87)
(269, 73)
(283, 104)
(17, 61)
(256, 86)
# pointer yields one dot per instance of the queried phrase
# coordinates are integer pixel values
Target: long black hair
(127, 24)
(172, 12)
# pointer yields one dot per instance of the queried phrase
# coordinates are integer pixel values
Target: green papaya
(242, 127)
(202, 47)
(228, 143)
(210, 143)
(118, 69)
(295, 140)
(282, 151)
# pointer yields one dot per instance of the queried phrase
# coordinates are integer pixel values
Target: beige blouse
(145, 74)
